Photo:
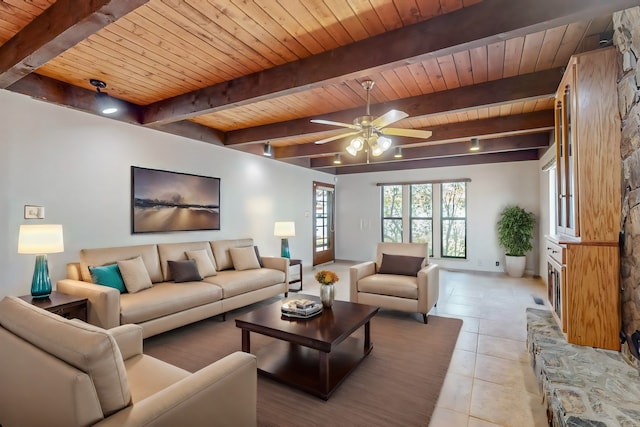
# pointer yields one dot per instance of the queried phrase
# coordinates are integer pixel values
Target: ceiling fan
(372, 131)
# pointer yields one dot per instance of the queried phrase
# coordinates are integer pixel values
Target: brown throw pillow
(400, 264)
(184, 271)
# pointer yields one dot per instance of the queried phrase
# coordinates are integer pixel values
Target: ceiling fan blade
(333, 138)
(389, 117)
(413, 133)
(330, 123)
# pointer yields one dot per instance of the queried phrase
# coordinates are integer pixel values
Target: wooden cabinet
(588, 148)
(583, 258)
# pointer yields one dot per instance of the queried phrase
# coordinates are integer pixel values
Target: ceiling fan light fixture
(398, 153)
(376, 149)
(384, 142)
(106, 104)
(337, 160)
(475, 144)
(357, 143)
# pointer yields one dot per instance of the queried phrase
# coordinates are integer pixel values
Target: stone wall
(627, 39)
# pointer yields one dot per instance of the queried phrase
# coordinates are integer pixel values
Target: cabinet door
(566, 155)
(561, 182)
(570, 145)
(556, 291)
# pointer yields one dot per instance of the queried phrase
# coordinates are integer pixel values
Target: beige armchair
(390, 285)
(59, 372)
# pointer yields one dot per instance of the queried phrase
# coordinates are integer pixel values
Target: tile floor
(490, 381)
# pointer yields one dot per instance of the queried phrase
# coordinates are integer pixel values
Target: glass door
(323, 223)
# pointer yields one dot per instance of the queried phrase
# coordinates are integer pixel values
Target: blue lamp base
(284, 248)
(41, 283)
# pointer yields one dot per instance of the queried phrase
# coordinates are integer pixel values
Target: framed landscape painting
(164, 201)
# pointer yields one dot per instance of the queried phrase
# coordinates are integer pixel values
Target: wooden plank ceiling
(243, 73)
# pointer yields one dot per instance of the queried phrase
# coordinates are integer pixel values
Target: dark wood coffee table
(314, 355)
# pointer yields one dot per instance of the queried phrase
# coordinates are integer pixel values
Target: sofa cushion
(149, 254)
(86, 347)
(184, 271)
(108, 275)
(178, 252)
(221, 251)
(390, 284)
(400, 264)
(203, 261)
(135, 275)
(244, 258)
(166, 298)
(239, 282)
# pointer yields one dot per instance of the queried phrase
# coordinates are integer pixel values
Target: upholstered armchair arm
(428, 287)
(103, 308)
(357, 272)
(129, 339)
(221, 394)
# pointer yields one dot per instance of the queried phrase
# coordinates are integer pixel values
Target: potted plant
(515, 231)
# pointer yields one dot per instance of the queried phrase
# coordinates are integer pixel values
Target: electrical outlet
(497, 263)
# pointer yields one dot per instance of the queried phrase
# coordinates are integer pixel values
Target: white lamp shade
(285, 229)
(40, 239)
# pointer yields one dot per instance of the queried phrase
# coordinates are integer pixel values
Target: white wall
(492, 187)
(77, 166)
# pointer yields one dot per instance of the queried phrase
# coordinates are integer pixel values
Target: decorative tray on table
(301, 308)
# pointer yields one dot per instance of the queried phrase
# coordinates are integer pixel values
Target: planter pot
(515, 265)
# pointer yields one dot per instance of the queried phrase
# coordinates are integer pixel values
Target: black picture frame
(166, 201)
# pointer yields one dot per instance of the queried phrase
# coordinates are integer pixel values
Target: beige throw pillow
(135, 274)
(205, 266)
(244, 258)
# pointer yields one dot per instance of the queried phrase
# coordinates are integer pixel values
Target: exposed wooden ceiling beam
(493, 145)
(512, 156)
(63, 25)
(484, 23)
(540, 121)
(66, 95)
(542, 84)
(192, 130)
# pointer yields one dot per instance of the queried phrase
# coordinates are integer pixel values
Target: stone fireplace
(627, 40)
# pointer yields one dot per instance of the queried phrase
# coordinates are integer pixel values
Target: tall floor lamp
(284, 230)
(40, 240)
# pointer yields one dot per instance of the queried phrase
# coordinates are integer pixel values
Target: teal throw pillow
(108, 275)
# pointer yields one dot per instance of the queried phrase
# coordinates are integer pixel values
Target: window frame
(443, 219)
(437, 219)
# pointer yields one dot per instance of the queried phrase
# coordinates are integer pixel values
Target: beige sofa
(167, 305)
(59, 372)
(413, 293)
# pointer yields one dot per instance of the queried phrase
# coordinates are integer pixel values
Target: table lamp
(283, 230)
(40, 240)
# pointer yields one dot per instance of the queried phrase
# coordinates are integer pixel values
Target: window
(421, 214)
(392, 213)
(408, 216)
(453, 202)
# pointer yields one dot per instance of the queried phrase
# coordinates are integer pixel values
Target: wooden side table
(296, 263)
(67, 306)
